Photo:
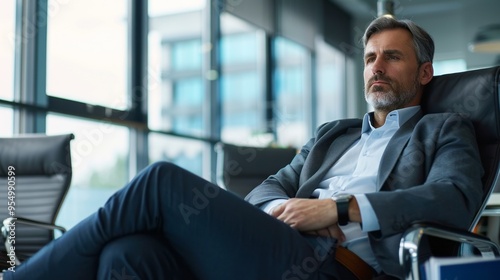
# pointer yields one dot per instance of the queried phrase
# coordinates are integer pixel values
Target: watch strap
(343, 212)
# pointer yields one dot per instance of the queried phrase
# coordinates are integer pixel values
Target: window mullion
(31, 62)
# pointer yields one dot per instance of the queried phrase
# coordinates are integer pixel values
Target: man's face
(391, 71)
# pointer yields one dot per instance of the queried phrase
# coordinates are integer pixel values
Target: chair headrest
(473, 94)
(35, 154)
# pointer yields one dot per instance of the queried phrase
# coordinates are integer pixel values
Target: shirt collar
(399, 117)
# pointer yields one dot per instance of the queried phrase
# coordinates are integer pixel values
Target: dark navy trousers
(168, 223)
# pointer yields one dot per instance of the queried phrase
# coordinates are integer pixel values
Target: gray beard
(389, 101)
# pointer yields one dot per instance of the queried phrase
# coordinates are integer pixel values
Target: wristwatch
(342, 201)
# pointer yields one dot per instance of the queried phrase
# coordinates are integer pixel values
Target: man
(399, 149)
(359, 183)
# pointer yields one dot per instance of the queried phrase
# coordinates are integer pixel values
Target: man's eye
(393, 57)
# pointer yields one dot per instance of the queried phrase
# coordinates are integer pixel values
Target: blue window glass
(242, 89)
(331, 86)
(187, 109)
(239, 48)
(292, 92)
(181, 151)
(186, 55)
(242, 103)
(442, 67)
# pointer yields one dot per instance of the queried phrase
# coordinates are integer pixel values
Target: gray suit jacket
(430, 171)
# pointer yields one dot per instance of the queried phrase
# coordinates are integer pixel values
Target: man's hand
(312, 216)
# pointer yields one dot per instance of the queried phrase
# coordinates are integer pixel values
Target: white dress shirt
(356, 173)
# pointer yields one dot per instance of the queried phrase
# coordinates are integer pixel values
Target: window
(243, 91)
(7, 49)
(186, 55)
(449, 66)
(183, 152)
(6, 126)
(330, 83)
(176, 88)
(292, 80)
(92, 57)
(87, 52)
(99, 156)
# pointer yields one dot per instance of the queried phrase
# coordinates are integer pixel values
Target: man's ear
(426, 72)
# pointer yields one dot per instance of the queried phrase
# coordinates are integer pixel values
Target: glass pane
(186, 153)
(176, 90)
(7, 48)
(6, 117)
(292, 92)
(331, 94)
(449, 66)
(87, 52)
(99, 155)
(242, 83)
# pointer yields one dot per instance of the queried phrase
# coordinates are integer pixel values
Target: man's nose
(378, 66)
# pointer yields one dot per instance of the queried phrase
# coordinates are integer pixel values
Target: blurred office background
(139, 81)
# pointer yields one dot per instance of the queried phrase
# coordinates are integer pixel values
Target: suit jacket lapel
(337, 148)
(395, 148)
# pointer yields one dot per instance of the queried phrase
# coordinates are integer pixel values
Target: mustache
(378, 77)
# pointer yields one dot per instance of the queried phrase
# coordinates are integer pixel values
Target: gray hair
(422, 41)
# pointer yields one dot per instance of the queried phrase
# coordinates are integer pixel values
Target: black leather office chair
(476, 95)
(37, 171)
(242, 168)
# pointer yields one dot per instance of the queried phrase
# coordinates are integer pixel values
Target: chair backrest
(474, 94)
(41, 173)
(242, 168)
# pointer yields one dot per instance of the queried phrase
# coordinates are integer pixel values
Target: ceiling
(452, 23)
(411, 8)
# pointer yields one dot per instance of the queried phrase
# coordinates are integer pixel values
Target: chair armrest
(29, 222)
(11, 221)
(409, 246)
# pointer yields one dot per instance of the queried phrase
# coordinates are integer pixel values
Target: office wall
(454, 30)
